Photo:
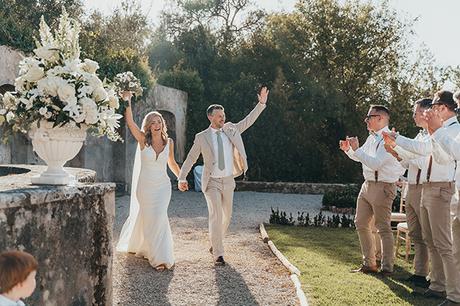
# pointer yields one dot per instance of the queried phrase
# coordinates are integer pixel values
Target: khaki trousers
(219, 197)
(374, 201)
(421, 259)
(437, 232)
(456, 246)
(378, 242)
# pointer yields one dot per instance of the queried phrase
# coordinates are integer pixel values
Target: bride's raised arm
(135, 130)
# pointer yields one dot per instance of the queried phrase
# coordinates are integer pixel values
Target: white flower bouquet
(126, 81)
(56, 86)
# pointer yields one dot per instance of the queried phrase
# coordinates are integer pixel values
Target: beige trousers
(219, 197)
(421, 259)
(374, 201)
(378, 242)
(437, 232)
(456, 247)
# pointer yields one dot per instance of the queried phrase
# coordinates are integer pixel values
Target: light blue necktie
(220, 151)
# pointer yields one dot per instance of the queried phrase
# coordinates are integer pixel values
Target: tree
(118, 42)
(19, 20)
(325, 63)
(228, 19)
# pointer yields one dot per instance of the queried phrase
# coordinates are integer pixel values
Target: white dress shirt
(228, 155)
(4, 301)
(414, 162)
(448, 139)
(374, 157)
(442, 166)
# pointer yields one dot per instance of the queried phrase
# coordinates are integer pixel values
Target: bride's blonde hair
(147, 122)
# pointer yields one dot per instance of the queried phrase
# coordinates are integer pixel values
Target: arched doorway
(170, 123)
(6, 87)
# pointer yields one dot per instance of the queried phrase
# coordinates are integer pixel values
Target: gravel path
(252, 276)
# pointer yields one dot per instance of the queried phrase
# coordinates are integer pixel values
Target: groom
(224, 158)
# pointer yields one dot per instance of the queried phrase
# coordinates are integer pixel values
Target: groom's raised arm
(190, 160)
(244, 124)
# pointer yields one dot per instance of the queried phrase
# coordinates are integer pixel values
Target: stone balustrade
(67, 228)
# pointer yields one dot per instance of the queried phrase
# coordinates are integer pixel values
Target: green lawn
(325, 257)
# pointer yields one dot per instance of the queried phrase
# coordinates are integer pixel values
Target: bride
(147, 232)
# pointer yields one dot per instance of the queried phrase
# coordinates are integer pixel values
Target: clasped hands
(183, 186)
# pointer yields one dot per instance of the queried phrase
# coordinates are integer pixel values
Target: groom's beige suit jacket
(203, 145)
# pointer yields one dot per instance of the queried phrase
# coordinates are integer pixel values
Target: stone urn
(56, 146)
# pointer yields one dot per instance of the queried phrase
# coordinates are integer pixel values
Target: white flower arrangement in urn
(58, 98)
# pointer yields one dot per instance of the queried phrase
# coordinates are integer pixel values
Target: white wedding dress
(147, 232)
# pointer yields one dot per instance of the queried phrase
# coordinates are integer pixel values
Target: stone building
(111, 161)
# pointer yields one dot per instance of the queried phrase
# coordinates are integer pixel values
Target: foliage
(342, 198)
(118, 42)
(325, 63)
(346, 197)
(19, 20)
(319, 220)
(277, 217)
(229, 20)
(54, 85)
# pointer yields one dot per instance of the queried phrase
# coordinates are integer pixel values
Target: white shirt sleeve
(418, 162)
(404, 154)
(414, 146)
(448, 144)
(439, 155)
(374, 163)
(404, 163)
(351, 154)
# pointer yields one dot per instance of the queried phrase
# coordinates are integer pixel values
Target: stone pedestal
(67, 228)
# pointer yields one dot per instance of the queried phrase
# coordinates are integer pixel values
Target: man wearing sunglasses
(437, 194)
(448, 139)
(381, 171)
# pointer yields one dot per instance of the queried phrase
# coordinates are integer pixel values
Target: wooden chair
(402, 234)
(399, 217)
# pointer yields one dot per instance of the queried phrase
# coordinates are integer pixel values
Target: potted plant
(58, 98)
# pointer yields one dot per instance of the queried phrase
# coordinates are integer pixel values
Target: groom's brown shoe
(210, 250)
(365, 269)
(220, 261)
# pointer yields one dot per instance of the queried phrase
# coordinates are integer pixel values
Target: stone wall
(68, 229)
(282, 187)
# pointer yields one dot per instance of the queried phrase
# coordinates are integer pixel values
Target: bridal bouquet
(126, 81)
(56, 86)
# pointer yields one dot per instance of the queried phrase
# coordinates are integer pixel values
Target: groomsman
(449, 140)
(437, 194)
(417, 169)
(381, 171)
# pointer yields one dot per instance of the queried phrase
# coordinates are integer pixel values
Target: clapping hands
(344, 145)
(433, 120)
(390, 138)
(349, 142)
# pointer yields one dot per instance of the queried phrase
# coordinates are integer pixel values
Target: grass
(325, 257)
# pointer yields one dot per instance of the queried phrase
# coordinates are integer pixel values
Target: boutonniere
(231, 130)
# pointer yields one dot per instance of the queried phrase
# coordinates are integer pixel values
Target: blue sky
(438, 25)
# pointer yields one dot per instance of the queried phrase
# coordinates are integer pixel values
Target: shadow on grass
(330, 253)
